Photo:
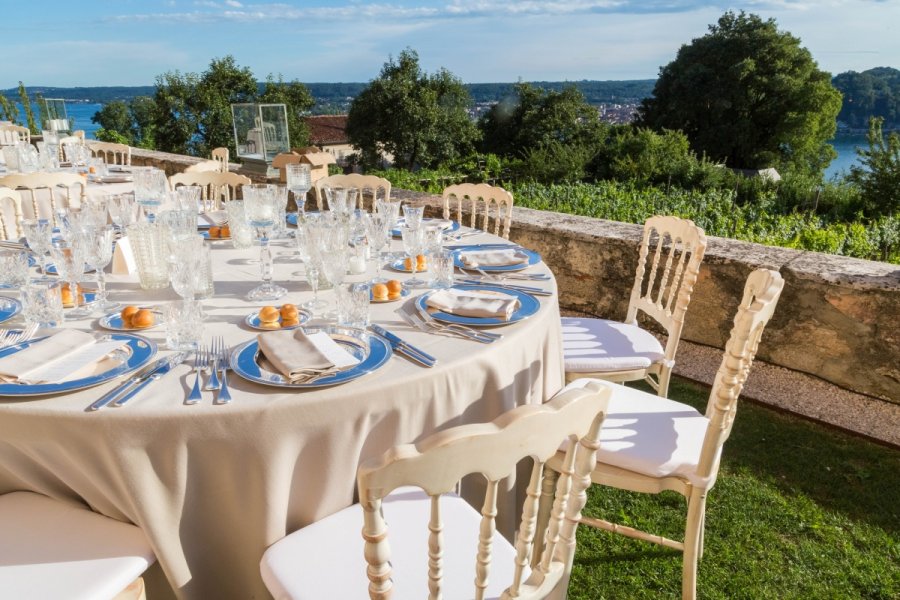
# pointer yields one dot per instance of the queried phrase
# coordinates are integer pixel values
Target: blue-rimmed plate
(135, 354)
(113, 322)
(528, 305)
(371, 351)
(533, 259)
(9, 307)
(448, 225)
(51, 269)
(253, 320)
(399, 264)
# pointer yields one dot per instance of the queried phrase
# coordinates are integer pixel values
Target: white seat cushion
(650, 435)
(598, 345)
(50, 549)
(325, 559)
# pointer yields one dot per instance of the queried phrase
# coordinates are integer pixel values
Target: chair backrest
(10, 214)
(55, 183)
(492, 450)
(10, 135)
(366, 183)
(221, 156)
(484, 200)
(215, 187)
(112, 154)
(668, 264)
(204, 166)
(761, 293)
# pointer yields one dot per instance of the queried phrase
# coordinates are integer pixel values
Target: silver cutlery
(11, 337)
(156, 375)
(132, 381)
(500, 276)
(534, 291)
(405, 348)
(224, 395)
(462, 331)
(201, 363)
(213, 382)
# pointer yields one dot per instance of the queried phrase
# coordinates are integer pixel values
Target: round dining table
(213, 485)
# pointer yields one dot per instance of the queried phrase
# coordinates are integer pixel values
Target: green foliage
(872, 93)
(116, 121)
(9, 110)
(111, 135)
(29, 114)
(298, 101)
(173, 119)
(878, 176)
(419, 119)
(748, 95)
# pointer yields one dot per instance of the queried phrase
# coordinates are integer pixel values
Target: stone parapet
(838, 317)
(176, 163)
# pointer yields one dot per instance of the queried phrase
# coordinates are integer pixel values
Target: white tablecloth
(213, 486)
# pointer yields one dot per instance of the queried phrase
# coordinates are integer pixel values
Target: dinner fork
(213, 382)
(522, 276)
(9, 338)
(427, 320)
(224, 395)
(201, 362)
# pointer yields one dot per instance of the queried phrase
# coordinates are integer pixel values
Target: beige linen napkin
(493, 258)
(18, 366)
(473, 303)
(301, 357)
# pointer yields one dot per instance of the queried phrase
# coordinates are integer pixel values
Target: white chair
(204, 166)
(59, 186)
(650, 444)
(50, 549)
(668, 264)
(428, 525)
(10, 134)
(221, 156)
(215, 187)
(10, 214)
(480, 200)
(111, 153)
(375, 186)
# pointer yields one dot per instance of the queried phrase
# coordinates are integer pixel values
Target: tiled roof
(327, 129)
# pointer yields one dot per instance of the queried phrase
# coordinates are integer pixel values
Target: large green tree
(419, 119)
(872, 93)
(749, 95)
(878, 177)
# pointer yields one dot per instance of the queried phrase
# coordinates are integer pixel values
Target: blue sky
(129, 42)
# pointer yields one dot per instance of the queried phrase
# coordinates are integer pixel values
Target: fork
(213, 382)
(201, 362)
(521, 276)
(460, 330)
(8, 338)
(224, 396)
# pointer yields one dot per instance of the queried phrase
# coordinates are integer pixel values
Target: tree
(26, 105)
(749, 95)
(174, 121)
(878, 177)
(420, 119)
(298, 101)
(224, 83)
(872, 93)
(8, 109)
(115, 120)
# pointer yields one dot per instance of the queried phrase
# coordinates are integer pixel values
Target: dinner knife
(172, 362)
(534, 291)
(116, 391)
(405, 348)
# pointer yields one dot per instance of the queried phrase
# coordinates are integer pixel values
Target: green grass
(799, 511)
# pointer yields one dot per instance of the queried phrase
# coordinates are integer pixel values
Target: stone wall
(838, 318)
(176, 163)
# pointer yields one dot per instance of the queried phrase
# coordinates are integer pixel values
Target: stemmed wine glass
(299, 182)
(413, 244)
(412, 215)
(334, 263)
(98, 253)
(122, 210)
(68, 257)
(378, 231)
(260, 204)
(39, 235)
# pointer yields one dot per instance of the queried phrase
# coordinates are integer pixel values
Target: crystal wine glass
(413, 244)
(378, 231)
(433, 244)
(299, 182)
(122, 210)
(39, 235)
(68, 257)
(260, 206)
(98, 254)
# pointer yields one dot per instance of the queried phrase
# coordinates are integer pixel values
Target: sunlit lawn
(799, 511)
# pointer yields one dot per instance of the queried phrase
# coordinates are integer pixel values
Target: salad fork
(201, 363)
(213, 382)
(224, 396)
(8, 338)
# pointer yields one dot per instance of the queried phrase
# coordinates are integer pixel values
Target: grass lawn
(799, 511)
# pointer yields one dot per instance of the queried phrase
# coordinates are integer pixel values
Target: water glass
(353, 305)
(39, 235)
(123, 210)
(187, 197)
(184, 325)
(299, 181)
(241, 233)
(13, 268)
(149, 242)
(96, 166)
(442, 269)
(42, 303)
(413, 244)
(391, 209)
(98, 254)
(281, 201)
(68, 258)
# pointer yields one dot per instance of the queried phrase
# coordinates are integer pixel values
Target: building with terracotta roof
(329, 132)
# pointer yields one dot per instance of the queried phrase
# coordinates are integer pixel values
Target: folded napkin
(301, 357)
(442, 223)
(212, 218)
(62, 356)
(473, 303)
(493, 258)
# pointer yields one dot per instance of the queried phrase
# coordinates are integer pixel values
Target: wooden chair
(221, 156)
(10, 134)
(51, 549)
(650, 444)
(10, 214)
(319, 562)
(55, 183)
(112, 154)
(668, 264)
(216, 187)
(481, 200)
(365, 183)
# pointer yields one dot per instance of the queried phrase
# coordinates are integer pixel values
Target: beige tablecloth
(214, 486)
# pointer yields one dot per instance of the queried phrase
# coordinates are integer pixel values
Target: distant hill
(875, 92)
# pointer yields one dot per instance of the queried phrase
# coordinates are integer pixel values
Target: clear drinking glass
(442, 268)
(150, 189)
(13, 268)
(412, 216)
(355, 310)
(260, 204)
(187, 197)
(184, 325)
(148, 240)
(281, 201)
(68, 258)
(39, 235)
(122, 209)
(391, 209)
(378, 233)
(42, 303)
(433, 243)
(241, 233)
(413, 244)
(312, 277)
(99, 251)
(299, 181)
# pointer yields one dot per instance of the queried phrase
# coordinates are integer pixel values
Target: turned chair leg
(692, 537)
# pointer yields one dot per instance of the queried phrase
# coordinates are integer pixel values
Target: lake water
(80, 111)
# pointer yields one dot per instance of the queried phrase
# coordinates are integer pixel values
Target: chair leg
(662, 388)
(692, 536)
(702, 534)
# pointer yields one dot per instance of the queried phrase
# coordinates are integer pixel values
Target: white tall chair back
(59, 185)
(216, 187)
(483, 203)
(10, 214)
(112, 154)
(10, 134)
(221, 156)
(370, 185)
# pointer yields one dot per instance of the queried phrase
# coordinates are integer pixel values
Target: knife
(519, 288)
(405, 348)
(116, 391)
(171, 362)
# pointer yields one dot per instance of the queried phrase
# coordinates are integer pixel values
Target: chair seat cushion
(51, 549)
(325, 559)
(599, 345)
(650, 435)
